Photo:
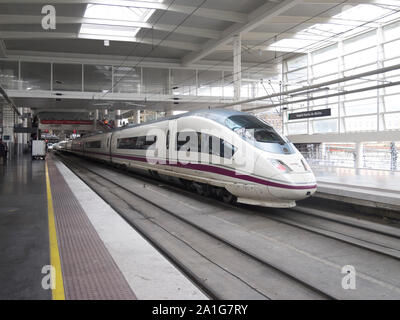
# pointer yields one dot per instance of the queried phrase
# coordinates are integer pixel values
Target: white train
(231, 154)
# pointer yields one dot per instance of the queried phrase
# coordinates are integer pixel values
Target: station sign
(310, 114)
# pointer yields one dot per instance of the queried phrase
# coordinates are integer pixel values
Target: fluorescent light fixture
(347, 23)
(110, 13)
(176, 112)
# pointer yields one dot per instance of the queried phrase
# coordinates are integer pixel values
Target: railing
(383, 162)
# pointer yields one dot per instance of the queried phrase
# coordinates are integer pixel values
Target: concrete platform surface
(376, 188)
(100, 255)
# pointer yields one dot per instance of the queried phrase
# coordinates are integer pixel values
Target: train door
(171, 155)
(167, 146)
(108, 146)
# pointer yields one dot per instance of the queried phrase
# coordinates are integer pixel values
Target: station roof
(178, 34)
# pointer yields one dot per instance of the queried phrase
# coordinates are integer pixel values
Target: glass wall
(35, 76)
(97, 78)
(127, 79)
(9, 75)
(365, 110)
(67, 77)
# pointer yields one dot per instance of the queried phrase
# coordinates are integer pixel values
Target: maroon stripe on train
(209, 168)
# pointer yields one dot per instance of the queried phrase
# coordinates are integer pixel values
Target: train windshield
(260, 133)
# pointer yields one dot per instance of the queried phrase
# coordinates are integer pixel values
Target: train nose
(295, 186)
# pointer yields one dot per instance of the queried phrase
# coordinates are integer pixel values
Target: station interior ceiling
(180, 55)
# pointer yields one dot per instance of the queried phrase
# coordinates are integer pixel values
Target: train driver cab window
(259, 133)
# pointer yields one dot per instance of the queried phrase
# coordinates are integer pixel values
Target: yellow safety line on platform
(58, 291)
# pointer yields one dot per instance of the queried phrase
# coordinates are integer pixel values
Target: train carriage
(230, 153)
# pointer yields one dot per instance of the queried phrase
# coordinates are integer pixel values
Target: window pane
(392, 121)
(326, 68)
(126, 79)
(35, 75)
(391, 31)
(209, 83)
(297, 128)
(67, 77)
(392, 103)
(155, 81)
(97, 78)
(297, 63)
(183, 82)
(93, 144)
(9, 74)
(138, 143)
(325, 54)
(367, 123)
(392, 49)
(360, 42)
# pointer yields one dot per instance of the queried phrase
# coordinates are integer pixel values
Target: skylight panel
(107, 14)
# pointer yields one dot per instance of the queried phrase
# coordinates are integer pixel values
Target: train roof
(218, 115)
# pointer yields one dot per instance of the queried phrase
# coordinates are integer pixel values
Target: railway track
(237, 252)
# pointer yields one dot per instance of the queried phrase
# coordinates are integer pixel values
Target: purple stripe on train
(210, 168)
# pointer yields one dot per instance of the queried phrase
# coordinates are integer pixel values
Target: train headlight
(281, 166)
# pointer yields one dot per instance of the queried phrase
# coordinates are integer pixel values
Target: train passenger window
(221, 148)
(137, 143)
(188, 139)
(93, 144)
(205, 143)
(227, 149)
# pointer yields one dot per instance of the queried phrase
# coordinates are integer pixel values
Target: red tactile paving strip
(89, 271)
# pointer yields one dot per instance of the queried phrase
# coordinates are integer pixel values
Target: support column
(95, 118)
(380, 79)
(118, 118)
(138, 117)
(237, 69)
(393, 156)
(359, 156)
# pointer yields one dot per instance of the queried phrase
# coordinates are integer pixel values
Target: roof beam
(388, 2)
(3, 49)
(72, 35)
(259, 36)
(255, 18)
(107, 60)
(36, 19)
(304, 20)
(224, 15)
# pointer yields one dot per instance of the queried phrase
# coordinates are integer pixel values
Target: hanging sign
(310, 114)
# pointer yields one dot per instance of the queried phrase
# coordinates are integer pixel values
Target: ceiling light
(106, 43)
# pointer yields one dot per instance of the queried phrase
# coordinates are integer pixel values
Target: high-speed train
(233, 155)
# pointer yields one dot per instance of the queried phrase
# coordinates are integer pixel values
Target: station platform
(372, 188)
(51, 220)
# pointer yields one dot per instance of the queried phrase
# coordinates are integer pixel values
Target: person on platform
(3, 151)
